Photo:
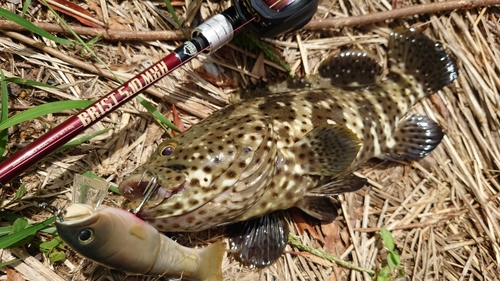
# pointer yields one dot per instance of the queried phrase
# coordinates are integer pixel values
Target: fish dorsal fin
(259, 242)
(327, 150)
(412, 53)
(351, 68)
(414, 137)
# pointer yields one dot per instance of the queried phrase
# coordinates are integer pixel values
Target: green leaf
(12, 239)
(26, 6)
(402, 272)
(31, 27)
(393, 260)
(20, 193)
(162, 119)
(43, 109)
(51, 244)
(49, 230)
(4, 114)
(9, 262)
(82, 139)
(387, 237)
(4, 230)
(56, 256)
(28, 82)
(19, 224)
(384, 274)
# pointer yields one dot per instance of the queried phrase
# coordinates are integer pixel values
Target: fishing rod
(266, 18)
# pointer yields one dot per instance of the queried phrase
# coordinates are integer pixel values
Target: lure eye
(168, 149)
(86, 235)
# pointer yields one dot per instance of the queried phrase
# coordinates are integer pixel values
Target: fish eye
(86, 235)
(168, 149)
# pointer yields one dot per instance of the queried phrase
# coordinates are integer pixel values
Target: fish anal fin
(412, 53)
(327, 150)
(414, 137)
(259, 242)
(351, 68)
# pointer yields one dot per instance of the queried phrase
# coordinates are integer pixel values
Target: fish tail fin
(425, 63)
(211, 266)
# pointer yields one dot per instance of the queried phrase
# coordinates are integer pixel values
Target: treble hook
(148, 191)
(59, 213)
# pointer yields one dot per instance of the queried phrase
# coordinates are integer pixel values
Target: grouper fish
(276, 151)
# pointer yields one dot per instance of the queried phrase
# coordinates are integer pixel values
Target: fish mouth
(143, 190)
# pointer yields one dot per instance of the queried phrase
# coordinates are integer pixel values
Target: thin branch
(404, 12)
(108, 34)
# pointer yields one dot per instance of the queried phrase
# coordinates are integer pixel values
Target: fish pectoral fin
(415, 137)
(336, 186)
(326, 150)
(259, 242)
(351, 69)
(318, 202)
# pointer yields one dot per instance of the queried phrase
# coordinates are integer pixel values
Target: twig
(399, 13)
(293, 239)
(108, 34)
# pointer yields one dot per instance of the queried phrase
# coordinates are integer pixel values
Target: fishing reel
(274, 17)
(266, 18)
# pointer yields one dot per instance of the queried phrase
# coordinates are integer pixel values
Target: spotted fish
(295, 149)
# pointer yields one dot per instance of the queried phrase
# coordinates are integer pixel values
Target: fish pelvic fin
(422, 61)
(414, 137)
(211, 265)
(259, 242)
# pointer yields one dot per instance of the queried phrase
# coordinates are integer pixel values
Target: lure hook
(148, 191)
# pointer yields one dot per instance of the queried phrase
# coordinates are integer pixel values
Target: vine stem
(294, 241)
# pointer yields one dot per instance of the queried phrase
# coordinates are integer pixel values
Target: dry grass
(443, 210)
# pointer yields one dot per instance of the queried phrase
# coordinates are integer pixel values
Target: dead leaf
(333, 276)
(154, 134)
(258, 68)
(95, 6)
(13, 275)
(74, 7)
(214, 80)
(177, 121)
(117, 23)
(302, 225)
